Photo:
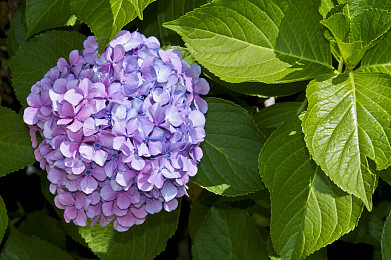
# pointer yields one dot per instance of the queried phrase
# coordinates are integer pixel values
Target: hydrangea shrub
(260, 126)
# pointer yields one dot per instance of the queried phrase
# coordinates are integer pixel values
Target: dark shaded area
(343, 250)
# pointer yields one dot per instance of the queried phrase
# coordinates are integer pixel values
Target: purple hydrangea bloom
(121, 133)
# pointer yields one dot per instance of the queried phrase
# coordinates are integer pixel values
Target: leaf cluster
(281, 181)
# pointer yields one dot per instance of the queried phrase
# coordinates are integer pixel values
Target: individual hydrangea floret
(121, 133)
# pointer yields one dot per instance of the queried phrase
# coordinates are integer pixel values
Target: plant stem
(340, 65)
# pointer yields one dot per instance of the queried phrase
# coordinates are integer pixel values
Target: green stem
(340, 65)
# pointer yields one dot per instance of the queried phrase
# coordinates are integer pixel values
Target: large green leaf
(250, 40)
(17, 31)
(228, 233)
(15, 145)
(107, 17)
(3, 218)
(24, 247)
(144, 241)
(38, 55)
(346, 122)
(231, 146)
(43, 14)
(308, 210)
(386, 239)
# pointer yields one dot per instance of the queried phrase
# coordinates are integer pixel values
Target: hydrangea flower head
(121, 133)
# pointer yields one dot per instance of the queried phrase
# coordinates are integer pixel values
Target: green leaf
(246, 40)
(386, 239)
(228, 233)
(326, 6)
(354, 35)
(44, 227)
(386, 175)
(346, 122)
(369, 25)
(43, 14)
(378, 58)
(163, 11)
(20, 246)
(38, 55)
(106, 18)
(357, 6)
(17, 31)
(231, 146)
(169, 10)
(275, 115)
(260, 89)
(3, 218)
(144, 241)
(370, 226)
(15, 145)
(308, 210)
(199, 211)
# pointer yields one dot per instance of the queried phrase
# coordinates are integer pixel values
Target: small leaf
(3, 218)
(246, 40)
(106, 18)
(20, 246)
(144, 241)
(228, 233)
(386, 239)
(15, 145)
(232, 142)
(308, 210)
(346, 122)
(17, 31)
(43, 14)
(38, 55)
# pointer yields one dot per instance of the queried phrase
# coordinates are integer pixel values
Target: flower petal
(73, 97)
(88, 185)
(123, 200)
(169, 191)
(153, 206)
(171, 205)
